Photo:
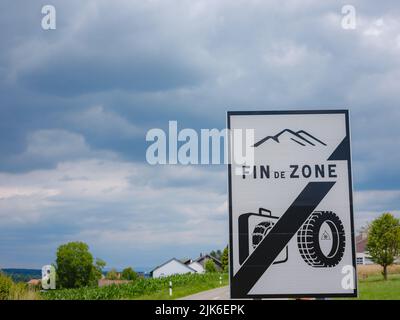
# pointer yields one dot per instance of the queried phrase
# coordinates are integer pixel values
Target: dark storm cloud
(76, 104)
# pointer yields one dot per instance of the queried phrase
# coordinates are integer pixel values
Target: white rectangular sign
(290, 205)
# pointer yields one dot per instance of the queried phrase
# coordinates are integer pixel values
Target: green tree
(112, 275)
(210, 266)
(383, 244)
(216, 254)
(75, 266)
(129, 274)
(225, 259)
(97, 270)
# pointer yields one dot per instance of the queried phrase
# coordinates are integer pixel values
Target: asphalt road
(221, 293)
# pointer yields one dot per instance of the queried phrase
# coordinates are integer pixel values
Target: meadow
(144, 288)
(372, 286)
(370, 283)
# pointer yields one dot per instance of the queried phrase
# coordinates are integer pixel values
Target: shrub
(6, 285)
(210, 266)
(15, 291)
(129, 274)
(112, 275)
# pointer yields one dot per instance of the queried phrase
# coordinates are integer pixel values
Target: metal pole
(170, 288)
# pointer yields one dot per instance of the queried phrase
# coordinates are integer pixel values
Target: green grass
(375, 288)
(372, 288)
(156, 289)
(9, 290)
(183, 291)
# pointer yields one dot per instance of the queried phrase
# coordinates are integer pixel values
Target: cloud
(95, 201)
(369, 204)
(103, 123)
(144, 56)
(47, 147)
(77, 102)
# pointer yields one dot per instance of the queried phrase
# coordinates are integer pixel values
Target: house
(34, 283)
(171, 267)
(196, 266)
(362, 257)
(200, 263)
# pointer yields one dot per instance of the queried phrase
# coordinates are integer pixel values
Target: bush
(15, 291)
(6, 285)
(112, 275)
(210, 266)
(129, 274)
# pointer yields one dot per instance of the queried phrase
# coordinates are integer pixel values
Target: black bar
(279, 236)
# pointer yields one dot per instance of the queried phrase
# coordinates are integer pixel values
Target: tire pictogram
(308, 240)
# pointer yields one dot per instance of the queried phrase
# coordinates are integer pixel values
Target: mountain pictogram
(300, 137)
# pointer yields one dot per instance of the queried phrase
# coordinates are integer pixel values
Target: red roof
(361, 243)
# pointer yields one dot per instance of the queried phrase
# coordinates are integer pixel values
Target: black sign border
(350, 182)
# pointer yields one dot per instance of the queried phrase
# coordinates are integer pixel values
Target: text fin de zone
(294, 171)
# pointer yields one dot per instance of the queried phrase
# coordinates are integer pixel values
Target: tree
(225, 259)
(98, 270)
(210, 266)
(129, 274)
(383, 244)
(112, 275)
(216, 254)
(75, 267)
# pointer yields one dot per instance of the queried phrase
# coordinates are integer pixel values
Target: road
(221, 293)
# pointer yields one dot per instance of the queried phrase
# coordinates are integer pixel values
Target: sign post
(290, 207)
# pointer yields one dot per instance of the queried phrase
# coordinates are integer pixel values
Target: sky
(76, 104)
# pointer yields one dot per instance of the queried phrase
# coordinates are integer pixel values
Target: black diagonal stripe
(279, 236)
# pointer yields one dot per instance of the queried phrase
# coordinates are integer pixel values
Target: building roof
(361, 243)
(34, 282)
(207, 256)
(187, 261)
(173, 259)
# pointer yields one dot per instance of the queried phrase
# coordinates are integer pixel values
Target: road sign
(290, 206)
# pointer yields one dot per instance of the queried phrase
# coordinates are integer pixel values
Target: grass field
(372, 286)
(375, 288)
(183, 291)
(154, 289)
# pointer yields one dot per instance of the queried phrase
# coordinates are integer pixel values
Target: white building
(362, 257)
(171, 267)
(197, 267)
(200, 263)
